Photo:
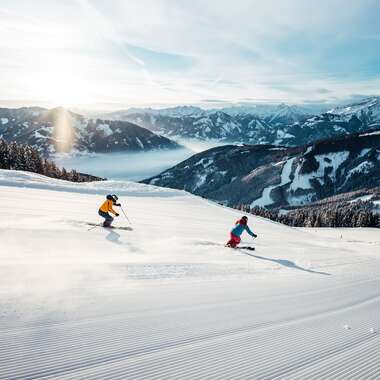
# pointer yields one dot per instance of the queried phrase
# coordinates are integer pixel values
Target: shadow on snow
(114, 237)
(286, 263)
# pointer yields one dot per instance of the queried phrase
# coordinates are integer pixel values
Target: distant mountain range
(140, 129)
(282, 124)
(263, 110)
(59, 130)
(274, 176)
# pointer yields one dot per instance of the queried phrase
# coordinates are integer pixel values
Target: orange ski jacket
(107, 207)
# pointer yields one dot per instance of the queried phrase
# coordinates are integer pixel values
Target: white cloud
(245, 48)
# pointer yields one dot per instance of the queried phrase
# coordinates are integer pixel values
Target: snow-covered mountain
(367, 111)
(178, 111)
(59, 130)
(288, 125)
(211, 126)
(268, 111)
(235, 124)
(277, 129)
(273, 176)
(284, 114)
(164, 299)
(263, 110)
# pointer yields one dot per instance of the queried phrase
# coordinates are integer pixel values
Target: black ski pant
(108, 218)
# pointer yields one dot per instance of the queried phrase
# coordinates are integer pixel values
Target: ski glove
(118, 204)
(254, 235)
(117, 214)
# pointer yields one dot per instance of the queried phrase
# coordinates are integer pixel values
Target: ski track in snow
(167, 300)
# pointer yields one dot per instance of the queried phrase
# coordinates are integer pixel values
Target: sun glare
(63, 131)
(60, 81)
(62, 89)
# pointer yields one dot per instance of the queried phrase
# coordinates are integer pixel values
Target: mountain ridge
(276, 176)
(281, 124)
(60, 130)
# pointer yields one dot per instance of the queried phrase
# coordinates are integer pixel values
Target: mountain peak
(367, 110)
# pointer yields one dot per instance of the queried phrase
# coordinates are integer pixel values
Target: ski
(247, 248)
(93, 225)
(119, 228)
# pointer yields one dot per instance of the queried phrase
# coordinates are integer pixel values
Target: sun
(64, 89)
(62, 82)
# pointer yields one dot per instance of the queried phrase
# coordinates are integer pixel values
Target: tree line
(347, 214)
(15, 156)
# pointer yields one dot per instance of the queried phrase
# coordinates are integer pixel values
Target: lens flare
(63, 131)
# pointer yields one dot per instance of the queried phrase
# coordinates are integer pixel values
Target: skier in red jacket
(240, 226)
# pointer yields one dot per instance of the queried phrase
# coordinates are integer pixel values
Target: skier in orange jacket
(107, 208)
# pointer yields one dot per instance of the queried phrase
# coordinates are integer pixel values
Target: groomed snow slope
(167, 300)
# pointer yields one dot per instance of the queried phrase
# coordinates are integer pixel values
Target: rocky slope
(271, 176)
(59, 130)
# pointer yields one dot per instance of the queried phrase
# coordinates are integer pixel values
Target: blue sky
(113, 54)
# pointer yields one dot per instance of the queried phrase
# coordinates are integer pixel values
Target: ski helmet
(245, 218)
(109, 197)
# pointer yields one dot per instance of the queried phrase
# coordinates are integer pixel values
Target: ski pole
(125, 214)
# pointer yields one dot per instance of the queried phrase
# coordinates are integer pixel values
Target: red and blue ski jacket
(240, 227)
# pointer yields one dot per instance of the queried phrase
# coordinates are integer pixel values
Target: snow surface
(363, 167)
(140, 143)
(167, 300)
(281, 135)
(369, 106)
(301, 181)
(201, 179)
(371, 133)
(364, 152)
(363, 198)
(266, 199)
(105, 128)
(38, 135)
(331, 160)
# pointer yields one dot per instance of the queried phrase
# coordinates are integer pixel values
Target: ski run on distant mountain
(273, 176)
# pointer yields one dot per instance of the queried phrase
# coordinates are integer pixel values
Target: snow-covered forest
(15, 156)
(354, 214)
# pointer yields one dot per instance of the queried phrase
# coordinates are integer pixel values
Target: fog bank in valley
(123, 166)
